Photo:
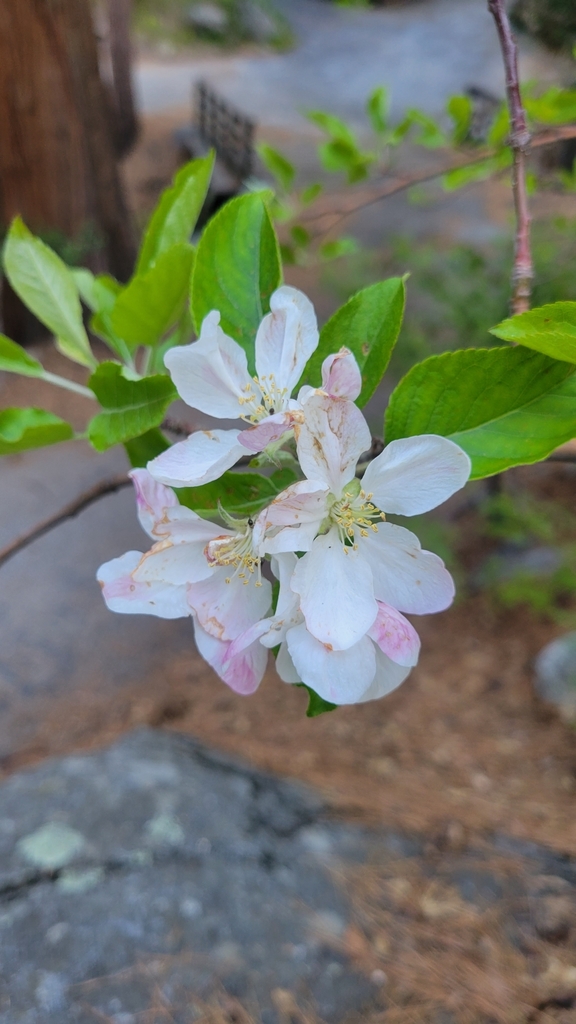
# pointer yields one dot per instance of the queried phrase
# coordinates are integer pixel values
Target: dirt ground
(462, 751)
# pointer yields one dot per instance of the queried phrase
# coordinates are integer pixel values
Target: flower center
(355, 512)
(269, 400)
(236, 552)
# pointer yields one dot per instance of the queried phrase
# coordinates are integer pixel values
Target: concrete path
(423, 51)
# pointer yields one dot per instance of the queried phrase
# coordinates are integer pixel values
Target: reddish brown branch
(519, 140)
(327, 213)
(68, 512)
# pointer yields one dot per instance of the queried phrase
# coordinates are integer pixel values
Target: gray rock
(555, 678)
(207, 17)
(159, 865)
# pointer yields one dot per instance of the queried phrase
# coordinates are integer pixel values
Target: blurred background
(437, 861)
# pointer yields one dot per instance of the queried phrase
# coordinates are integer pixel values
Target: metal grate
(230, 132)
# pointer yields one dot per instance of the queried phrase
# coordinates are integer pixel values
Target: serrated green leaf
(175, 216)
(154, 300)
(368, 324)
(316, 704)
(550, 329)
(279, 166)
(237, 268)
(21, 429)
(241, 494)
(14, 359)
(141, 450)
(377, 108)
(504, 406)
(46, 285)
(132, 407)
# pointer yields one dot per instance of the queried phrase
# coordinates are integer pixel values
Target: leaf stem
(69, 385)
(523, 271)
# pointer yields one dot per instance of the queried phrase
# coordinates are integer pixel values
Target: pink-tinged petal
(285, 667)
(286, 339)
(201, 458)
(225, 610)
(406, 577)
(389, 676)
(271, 631)
(152, 499)
(256, 438)
(211, 374)
(291, 521)
(341, 377)
(330, 441)
(123, 594)
(243, 673)
(183, 526)
(395, 636)
(177, 564)
(415, 474)
(340, 677)
(336, 592)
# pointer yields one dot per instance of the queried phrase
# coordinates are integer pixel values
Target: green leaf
(47, 287)
(333, 126)
(14, 359)
(175, 216)
(153, 301)
(500, 127)
(316, 704)
(98, 292)
(460, 110)
(368, 324)
(550, 329)
(504, 406)
(310, 193)
(237, 269)
(238, 493)
(282, 170)
(430, 134)
(341, 155)
(377, 108)
(21, 429)
(141, 450)
(300, 236)
(555, 106)
(339, 247)
(478, 171)
(132, 407)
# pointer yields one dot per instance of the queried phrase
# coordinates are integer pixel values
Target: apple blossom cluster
(346, 577)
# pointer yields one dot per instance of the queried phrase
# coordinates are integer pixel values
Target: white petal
(211, 374)
(291, 521)
(285, 667)
(225, 610)
(340, 677)
(243, 673)
(395, 636)
(152, 499)
(415, 474)
(389, 676)
(336, 592)
(183, 526)
(123, 594)
(341, 377)
(330, 441)
(286, 339)
(201, 458)
(177, 564)
(405, 576)
(271, 429)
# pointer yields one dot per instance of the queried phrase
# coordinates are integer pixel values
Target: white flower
(354, 559)
(371, 668)
(212, 375)
(195, 568)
